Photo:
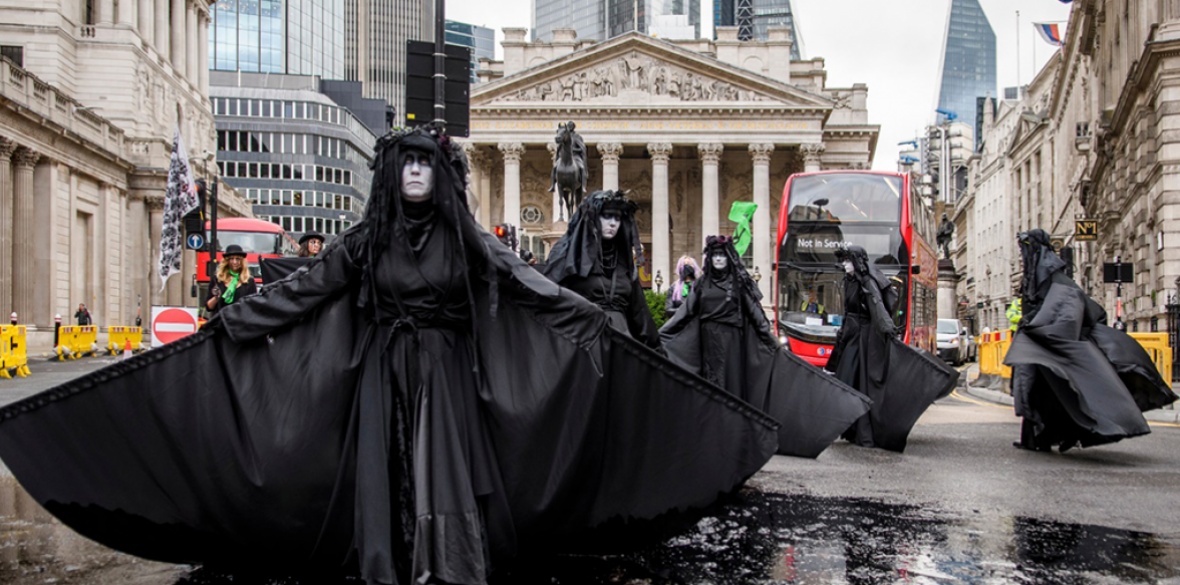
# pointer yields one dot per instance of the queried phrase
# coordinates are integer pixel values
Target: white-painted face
(417, 177)
(720, 261)
(849, 267)
(608, 224)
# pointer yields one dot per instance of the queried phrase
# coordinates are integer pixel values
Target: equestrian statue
(569, 169)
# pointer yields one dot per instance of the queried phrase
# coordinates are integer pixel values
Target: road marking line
(974, 400)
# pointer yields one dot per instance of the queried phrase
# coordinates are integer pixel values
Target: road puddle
(753, 538)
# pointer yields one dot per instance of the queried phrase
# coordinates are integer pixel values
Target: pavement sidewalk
(1168, 414)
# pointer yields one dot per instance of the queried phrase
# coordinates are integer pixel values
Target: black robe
(901, 381)
(622, 298)
(726, 338)
(297, 423)
(1075, 380)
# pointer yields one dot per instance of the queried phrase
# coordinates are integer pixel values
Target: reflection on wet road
(753, 538)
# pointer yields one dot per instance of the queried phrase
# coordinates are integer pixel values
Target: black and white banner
(180, 197)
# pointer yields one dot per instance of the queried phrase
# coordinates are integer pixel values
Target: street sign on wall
(172, 323)
(1085, 230)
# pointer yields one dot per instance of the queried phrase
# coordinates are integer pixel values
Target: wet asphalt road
(960, 506)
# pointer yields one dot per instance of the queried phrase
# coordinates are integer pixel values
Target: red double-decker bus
(879, 211)
(258, 238)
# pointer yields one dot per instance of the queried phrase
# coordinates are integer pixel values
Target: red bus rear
(879, 211)
(259, 238)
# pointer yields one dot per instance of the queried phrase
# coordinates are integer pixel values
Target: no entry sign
(172, 323)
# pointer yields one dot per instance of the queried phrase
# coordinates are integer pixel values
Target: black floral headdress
(579, 251)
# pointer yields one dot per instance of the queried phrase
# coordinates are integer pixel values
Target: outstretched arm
(289, 299)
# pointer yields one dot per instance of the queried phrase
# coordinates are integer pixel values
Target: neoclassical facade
(90, 96)
(687, 127)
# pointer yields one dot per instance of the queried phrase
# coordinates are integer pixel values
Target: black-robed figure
(721, 332)
(415, 404)
(901, 381)
(598, 258)
(1075, 381)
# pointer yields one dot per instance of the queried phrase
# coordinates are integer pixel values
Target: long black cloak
(605, 272)
(901, 381)
(1075, 380)
(721, 333)
(272, 436)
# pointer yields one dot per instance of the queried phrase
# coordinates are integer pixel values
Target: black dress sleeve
(285, 301)
(757, 319)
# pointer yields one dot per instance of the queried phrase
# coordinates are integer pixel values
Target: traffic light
(194, 221)
(506, 233)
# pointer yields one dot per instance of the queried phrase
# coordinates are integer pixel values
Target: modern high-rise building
(292, 37)
(968, 61)
(287, 143)
(754, 18)
(601, 20)
(480, 39)
(375, 48)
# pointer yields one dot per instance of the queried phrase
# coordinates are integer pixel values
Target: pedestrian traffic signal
(506, 233)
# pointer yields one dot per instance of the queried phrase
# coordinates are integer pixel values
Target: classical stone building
(1093, 137)
(688, 127)
(90, 95)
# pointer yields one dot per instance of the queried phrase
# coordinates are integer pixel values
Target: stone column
(191, 74)
(661, 259)
(162, 40)
(155, 205)
(761, 240)
(512, 153)
(481, 184)
(178, 37)
(24, 268)
(7, 147)
(203, 52)
(710, 153)
(557, 211)
(106, 13)
(127, 10)
(811, 156)
(610, 152)
(147, 25)
(136, 271)
(1169, 18)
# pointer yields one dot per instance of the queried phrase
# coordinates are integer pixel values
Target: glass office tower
(295, 37)
(754, 17)
(968, 61)
(599, 20)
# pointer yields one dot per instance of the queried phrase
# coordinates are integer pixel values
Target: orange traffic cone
(127, 349)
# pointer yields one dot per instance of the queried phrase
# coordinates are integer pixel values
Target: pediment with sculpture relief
(642, 71)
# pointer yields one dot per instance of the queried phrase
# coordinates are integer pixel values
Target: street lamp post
(659, 280)
(945, 154)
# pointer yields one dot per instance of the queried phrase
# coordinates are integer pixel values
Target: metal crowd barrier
(994, 346)
(74, 341)
(14, 355)
(119, 338)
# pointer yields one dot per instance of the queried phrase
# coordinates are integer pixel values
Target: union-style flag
(1050, 32)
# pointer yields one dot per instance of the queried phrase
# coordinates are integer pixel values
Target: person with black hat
(233, 280)
(598, 257)
(310, 244)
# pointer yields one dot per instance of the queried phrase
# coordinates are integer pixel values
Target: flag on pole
(1066, 1)
(180, 197)
(1050, 32)
(742, 213)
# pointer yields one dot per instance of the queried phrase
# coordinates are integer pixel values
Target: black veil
(580, 249)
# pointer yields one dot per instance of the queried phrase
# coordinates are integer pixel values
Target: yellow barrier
(14, 353)
(992, 349)
(1156, 345)
(994, 346)
(74, 341)
(119, 337)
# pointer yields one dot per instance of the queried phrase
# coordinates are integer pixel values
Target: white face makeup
(417, 177)
(848, 267)
(720, 261)
(609, 225)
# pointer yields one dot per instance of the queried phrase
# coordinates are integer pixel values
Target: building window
(13, 53)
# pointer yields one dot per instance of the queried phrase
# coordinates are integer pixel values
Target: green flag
(742, 213)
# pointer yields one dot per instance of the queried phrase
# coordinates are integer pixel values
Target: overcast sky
(891, 45)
